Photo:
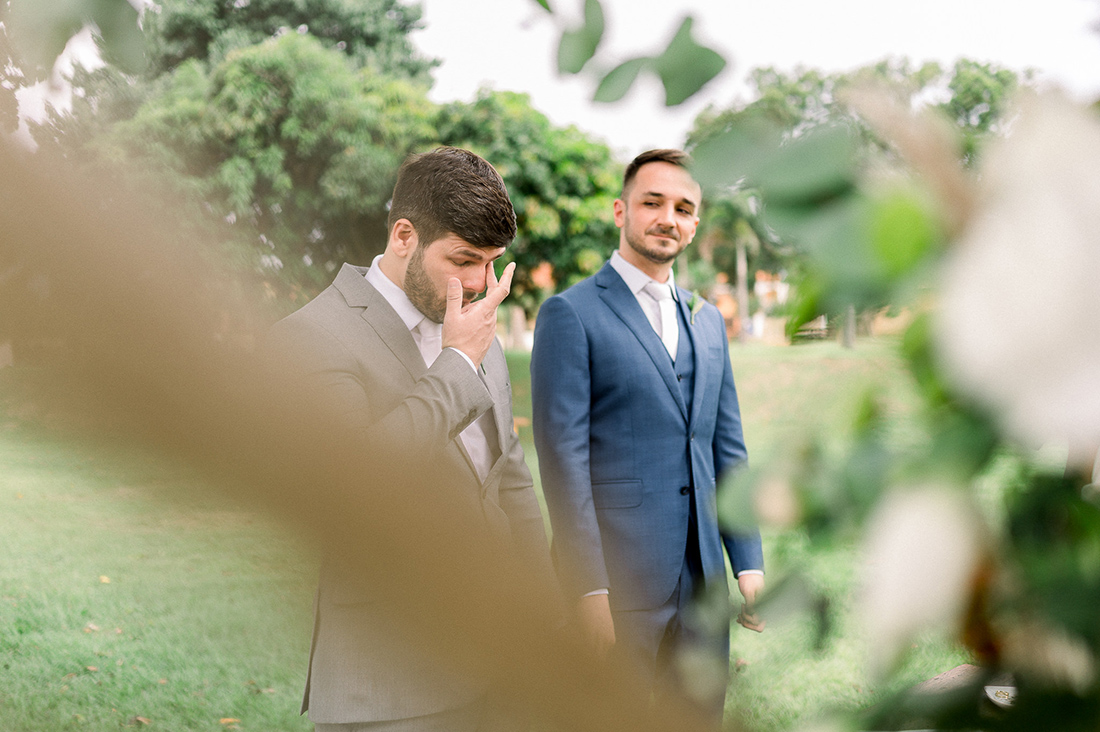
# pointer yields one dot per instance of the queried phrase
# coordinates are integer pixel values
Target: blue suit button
(685, 490)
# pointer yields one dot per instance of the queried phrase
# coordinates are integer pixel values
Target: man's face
(432, 265)
(658, 214)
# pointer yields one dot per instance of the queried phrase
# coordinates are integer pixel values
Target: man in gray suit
(407, 353)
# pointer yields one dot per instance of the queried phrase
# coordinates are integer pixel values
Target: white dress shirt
(637, 280)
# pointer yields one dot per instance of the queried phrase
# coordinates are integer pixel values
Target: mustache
(669, 232)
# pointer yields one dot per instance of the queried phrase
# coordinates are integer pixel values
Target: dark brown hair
(663, 155)
(449, 190)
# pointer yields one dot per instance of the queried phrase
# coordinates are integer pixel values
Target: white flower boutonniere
(695, 304)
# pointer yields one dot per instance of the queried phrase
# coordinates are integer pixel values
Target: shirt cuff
(596, 592)
(751, 571)
(466, 358)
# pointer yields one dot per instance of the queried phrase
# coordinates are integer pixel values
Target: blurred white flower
(1019, 325)
(921, 554)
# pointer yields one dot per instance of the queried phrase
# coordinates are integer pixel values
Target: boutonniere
(695, 304)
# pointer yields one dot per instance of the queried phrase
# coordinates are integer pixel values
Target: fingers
(454, 297)
(506, 277)
(499, 289)
(490, 275)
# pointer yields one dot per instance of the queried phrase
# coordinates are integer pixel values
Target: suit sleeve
(561, 404)
(743, 547)
(443, 402)
(516, 495)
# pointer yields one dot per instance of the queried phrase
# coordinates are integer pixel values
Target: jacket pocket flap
(617, 494)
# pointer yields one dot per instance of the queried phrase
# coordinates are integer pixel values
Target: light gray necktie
(430, 341)
(667, 327)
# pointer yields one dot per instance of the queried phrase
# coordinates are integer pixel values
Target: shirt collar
(394, 295)
(635, 278)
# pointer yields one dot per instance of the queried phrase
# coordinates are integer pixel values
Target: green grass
(207, 612)
(116, 604)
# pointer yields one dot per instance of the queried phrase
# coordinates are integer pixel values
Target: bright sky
(511, 45)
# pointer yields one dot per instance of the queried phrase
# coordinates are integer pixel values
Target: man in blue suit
(635, 419)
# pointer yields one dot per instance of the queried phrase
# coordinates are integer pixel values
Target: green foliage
(578, 45)
(800, 146)
(373, 34)
(561, 183)
(979, 94)
(10, 75)
(683, 68)
(287, 142)
(620, 79)
(42, 28)
(872, 237)
(686, 66)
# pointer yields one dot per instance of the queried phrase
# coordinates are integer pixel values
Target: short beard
(420, 290)
(657, 256)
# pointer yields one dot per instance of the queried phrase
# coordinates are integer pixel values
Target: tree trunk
(848, 329)
(743, 291)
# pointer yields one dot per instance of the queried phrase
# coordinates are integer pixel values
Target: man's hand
(471, 329)
(750, 586)
(594, 614)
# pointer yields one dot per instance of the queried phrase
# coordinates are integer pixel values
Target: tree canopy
(287, 142)
(810, 113)
(562, 185)
(287, 137)
(374, 34)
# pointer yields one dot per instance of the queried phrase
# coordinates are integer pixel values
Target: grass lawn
(123, 608)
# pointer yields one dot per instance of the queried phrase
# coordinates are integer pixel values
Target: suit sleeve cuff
(465, 358)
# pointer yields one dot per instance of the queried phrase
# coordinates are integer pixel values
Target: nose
(666, 215)
(476, 281)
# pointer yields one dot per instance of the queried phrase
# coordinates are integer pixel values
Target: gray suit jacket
(357, 350)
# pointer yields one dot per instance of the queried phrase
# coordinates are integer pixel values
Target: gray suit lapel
(380, 316)
(622, 302)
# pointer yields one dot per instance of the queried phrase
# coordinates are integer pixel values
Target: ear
(403, 238)
(620, 212)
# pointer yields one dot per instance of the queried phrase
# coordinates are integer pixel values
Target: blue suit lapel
(699, 342)
(621, 301)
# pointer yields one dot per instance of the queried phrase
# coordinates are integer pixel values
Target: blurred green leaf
(918, 348)
(739, 152)
(811, 169)
(579, 45)
(618, 81)
(41, 29)
(545, 5)
(902, 233)
(686, 66)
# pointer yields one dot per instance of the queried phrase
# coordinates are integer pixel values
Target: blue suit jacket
(617, 444)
